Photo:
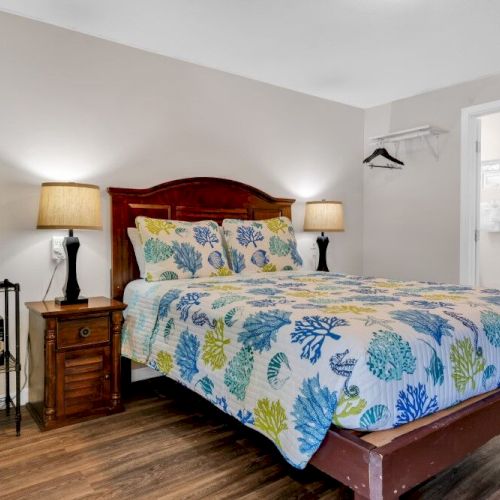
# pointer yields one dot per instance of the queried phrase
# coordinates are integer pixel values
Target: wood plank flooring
(172, 444)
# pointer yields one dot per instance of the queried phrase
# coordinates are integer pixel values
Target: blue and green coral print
(261, 246)
(176, 249)
(290, 353)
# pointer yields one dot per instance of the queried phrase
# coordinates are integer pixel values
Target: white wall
(73, 107)
(412, 216)
(489, 243)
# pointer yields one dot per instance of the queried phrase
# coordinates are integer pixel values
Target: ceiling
(359, 52)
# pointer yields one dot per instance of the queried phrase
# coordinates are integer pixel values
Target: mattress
(290, 353)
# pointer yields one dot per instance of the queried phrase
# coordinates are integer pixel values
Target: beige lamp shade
(324, 216)
(68, 205)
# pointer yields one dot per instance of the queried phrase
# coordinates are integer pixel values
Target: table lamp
(68, 205)
(324, 216)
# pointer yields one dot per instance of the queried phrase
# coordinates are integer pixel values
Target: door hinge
(478, 147)
(477, 235)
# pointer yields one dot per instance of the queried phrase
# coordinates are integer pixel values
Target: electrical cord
(51, 279)
(26, 358)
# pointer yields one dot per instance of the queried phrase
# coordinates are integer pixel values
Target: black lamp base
(63, 301)
(322, 242)
(71, 288)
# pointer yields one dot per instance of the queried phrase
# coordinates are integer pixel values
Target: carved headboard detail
(192, 199)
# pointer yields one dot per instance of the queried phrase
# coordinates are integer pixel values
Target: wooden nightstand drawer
(82, 331)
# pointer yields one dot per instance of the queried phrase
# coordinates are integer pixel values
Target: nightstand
(74, 361)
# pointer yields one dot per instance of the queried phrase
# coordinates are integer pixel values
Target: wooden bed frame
(376, 465)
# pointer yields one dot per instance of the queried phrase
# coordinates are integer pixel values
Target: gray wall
(412, 216)
(77, 108)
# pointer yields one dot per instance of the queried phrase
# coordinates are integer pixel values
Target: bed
(397, 421)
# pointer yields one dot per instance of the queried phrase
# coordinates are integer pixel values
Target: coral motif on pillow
(178, 250)
(261, 246)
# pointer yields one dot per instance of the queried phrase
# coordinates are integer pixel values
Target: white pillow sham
(135, 239)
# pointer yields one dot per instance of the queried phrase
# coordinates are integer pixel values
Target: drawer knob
(85, 332)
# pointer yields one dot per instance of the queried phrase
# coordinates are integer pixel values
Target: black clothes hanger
(390, 166)
(382, 152)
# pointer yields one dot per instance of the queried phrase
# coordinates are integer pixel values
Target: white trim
(468, 198)
(469, 188)
(24, 398)
(144, 373)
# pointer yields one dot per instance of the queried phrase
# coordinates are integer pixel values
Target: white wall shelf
(425, 132)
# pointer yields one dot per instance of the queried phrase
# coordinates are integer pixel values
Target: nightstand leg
(50, 371)
(116, 330)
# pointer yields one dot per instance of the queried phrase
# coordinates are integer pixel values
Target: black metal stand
(12, 363)
(322, 242)
(71, 288)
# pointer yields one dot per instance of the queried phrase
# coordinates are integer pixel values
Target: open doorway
(488, 245)
(480, 196)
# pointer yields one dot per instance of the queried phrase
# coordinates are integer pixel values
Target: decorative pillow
(177, 249)
(261, 246)
(135, 239)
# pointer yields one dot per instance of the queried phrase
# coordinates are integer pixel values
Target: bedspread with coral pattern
(291, 352)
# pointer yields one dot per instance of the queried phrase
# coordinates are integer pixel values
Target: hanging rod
(410, 133)
(388, 166)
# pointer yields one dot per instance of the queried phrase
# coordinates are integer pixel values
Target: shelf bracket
(434, 148)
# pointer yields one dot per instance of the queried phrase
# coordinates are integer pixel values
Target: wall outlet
(58, 252)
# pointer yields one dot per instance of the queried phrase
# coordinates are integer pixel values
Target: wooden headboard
(192, 199)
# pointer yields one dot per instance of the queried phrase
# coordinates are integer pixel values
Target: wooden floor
(171, 444)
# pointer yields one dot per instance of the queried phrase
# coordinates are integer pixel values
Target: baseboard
(24, 398)
(144, 373)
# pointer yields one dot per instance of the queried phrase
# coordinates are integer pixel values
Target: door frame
(470, 188)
